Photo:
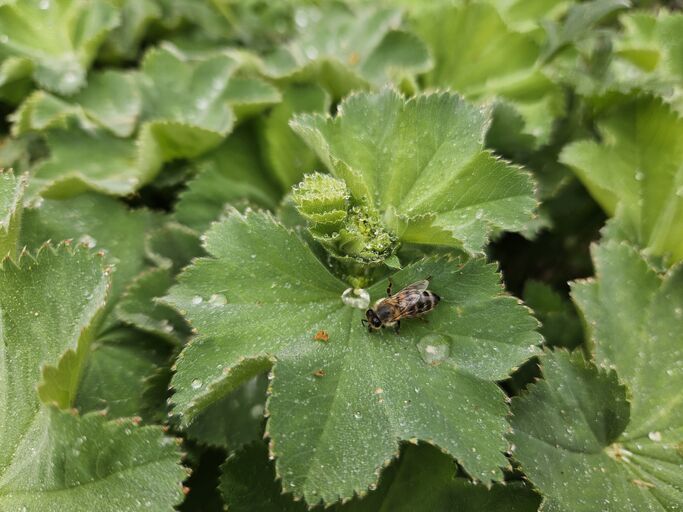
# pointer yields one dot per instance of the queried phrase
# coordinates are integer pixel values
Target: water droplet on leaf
(434, 348)
(356, 298)
(655, 436)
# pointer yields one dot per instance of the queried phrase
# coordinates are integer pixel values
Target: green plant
(200, 199)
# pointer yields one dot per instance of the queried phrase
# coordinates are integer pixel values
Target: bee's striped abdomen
(427, 302)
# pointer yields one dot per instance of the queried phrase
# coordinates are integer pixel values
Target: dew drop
(256, 411)
(300, 18)
(70, 78)
(196, 383)
(356, 298)
(357, 415)
(311, 52)
(655, 436)
(434, 348)
(218, 300)
(88, 241)
(197, 300)
(639, 175)
(202, 104)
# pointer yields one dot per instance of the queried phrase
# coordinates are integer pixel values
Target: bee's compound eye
(376, 322)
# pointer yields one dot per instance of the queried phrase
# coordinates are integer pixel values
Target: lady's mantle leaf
(575, 426)
(235, 420)
(287, 155)
(479, 56)
(344, 49)
(421, 164)
(138, 307)
(119, 368)
(98, 222)
(60, 37)
(11, 194)
(422, 479)
(341, 398)
(111, 100)
(636, 172)
(83, 160)
(48, 306)
(183, 111)
(231, 172)
(560, 324)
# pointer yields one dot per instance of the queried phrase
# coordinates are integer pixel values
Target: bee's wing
(407, 299)
(417, 287)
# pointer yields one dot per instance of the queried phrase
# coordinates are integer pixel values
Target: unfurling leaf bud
(322, 199)
(348, 231)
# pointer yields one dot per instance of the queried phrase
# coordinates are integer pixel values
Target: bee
(413, 301)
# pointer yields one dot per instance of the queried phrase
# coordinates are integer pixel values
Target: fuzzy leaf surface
(230, 173)
(636, 173)
(138, 306)
(11, 193)
(60, 37)
(422, 479)
(421, 164)
(111, 100)
(187, 92)
(337, 409)
(48, 306)
(620, 443)
(83, 160)
(478, 55)
(98, 222)
(345, 48)
(287, 155)
(121, 364)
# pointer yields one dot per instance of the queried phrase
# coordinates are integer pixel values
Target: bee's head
(373, 319)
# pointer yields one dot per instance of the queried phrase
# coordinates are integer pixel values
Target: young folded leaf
(420, 163)
(341, 398)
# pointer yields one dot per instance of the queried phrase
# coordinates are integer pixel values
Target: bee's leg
(363, 322)
(389, 288)
(397, 327)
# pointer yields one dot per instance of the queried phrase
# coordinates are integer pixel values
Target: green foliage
(356, 388)
(11, 194)
(51, 305)
(60, 38)
(424, 479)
(345, 48)
(421, 165)
(621, 442)
(200, 200)
(637, 179)
(478, 54)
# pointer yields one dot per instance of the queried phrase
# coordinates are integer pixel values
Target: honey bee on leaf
(413, 301)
